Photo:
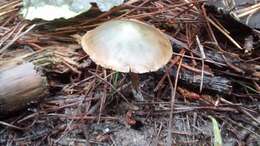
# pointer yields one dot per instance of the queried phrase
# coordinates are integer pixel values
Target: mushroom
(128, 46)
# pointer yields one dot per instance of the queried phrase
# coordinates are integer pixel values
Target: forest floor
(214, 75)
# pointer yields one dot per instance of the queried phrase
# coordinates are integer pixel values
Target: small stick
(169, 134)
(248, 10)
(114, 88)
(223, 32)
(203, 56)
(17, 37)
(173, 62)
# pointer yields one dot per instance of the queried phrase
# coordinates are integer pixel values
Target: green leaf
(54, 9)
(216, 131)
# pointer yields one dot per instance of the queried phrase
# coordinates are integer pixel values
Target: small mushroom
(128, 46)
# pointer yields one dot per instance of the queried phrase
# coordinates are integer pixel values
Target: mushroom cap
(127, 46)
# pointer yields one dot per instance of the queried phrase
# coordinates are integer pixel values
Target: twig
(248, 10)
(110, 86)
(16, 37)
(203, 56)
(8, 34)
(173, 89)
(223, 32)
(11, 126)
(173, 62)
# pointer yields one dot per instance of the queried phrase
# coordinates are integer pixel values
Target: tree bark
(20, 84)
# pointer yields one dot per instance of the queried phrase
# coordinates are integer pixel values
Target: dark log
(20, 84)
(215, 84)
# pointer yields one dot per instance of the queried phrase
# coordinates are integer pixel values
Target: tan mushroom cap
(127, 46)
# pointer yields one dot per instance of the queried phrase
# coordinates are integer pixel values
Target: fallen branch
(21, 84)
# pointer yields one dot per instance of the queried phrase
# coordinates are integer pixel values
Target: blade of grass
(216, 131)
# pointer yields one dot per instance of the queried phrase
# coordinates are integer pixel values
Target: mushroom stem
(136, 88)
(135, 80)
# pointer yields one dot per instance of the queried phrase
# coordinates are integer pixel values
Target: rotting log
(21, 83)
(216, 84)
